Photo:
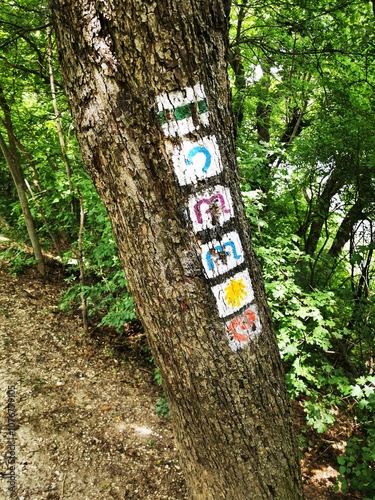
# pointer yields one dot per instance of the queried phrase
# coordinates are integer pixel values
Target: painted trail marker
(193, 161)
(197, 150)
(243, 329)
(233, 293)
(210, 208)
(182, 111)
(218, 257)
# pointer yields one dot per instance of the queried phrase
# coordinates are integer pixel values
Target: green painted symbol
(182, 112)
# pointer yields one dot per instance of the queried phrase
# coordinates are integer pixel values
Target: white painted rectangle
(243, 328)
(234, 293)
(193, 161)
(168, 103)
(210, 208)
(220, 256)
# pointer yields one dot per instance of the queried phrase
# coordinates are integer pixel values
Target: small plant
(17, 258)
(38, 384)
(157, 375)
(162, 407)
(106, 293)
(357, 466)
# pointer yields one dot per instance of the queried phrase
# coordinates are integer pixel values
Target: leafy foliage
(357, 466)
(304, 105)
(55, 178)
(17, 258)
(105, 292)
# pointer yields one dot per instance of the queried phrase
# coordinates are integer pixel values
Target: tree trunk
(60, 133)
(320, 212)
(13, 163)
(352, 216)
(148, 89)
(19, 182)
(235, 61)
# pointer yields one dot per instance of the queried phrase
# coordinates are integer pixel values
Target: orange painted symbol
(242, 328)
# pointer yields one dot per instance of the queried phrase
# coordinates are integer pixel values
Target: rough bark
(230, 411)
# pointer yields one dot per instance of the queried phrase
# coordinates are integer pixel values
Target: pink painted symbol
(212, 207)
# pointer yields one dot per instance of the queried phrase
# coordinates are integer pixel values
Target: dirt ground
(86, 426)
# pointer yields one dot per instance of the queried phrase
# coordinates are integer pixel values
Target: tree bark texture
(148, 89)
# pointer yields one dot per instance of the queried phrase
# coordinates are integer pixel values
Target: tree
(10, 154)
(148, 89)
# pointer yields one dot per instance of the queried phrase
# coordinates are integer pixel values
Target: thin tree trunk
(18, 178)
(354, 214)
(235, 61)
(60, 133)
(320, 212)
(31, 163)
(53, 239)
(81, 263)
(12, 160)
(148, 88)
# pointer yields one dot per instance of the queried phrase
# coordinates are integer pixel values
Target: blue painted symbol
(220, 249)
(199, 149)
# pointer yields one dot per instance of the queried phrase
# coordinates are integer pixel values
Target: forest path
(85, 412)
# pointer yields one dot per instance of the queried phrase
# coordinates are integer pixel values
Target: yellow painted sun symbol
(235, 293)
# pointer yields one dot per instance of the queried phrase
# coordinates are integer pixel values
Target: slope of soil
(85, 408)
(87, 427)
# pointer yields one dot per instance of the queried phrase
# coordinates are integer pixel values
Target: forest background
(303, 80)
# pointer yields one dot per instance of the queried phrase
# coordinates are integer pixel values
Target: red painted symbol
(242, 328)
